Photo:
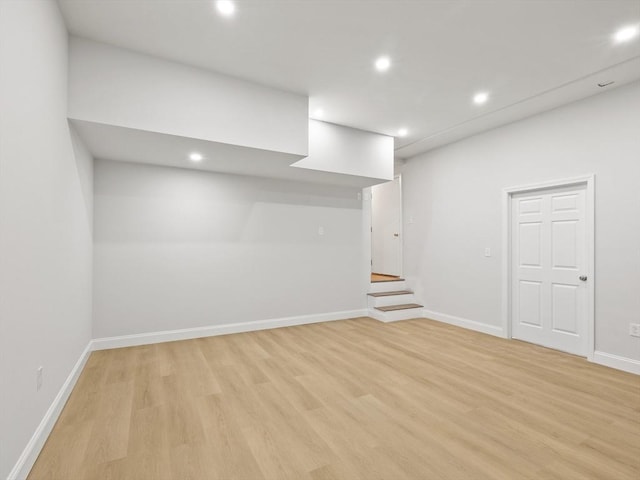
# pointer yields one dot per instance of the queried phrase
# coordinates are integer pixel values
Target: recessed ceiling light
(318, 113)
(195, 157)
(403, 132)
(383, 64)
(626, 33)
(226, 7)
(480, 98)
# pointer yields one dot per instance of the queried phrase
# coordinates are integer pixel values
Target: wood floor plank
(226, 441)
(353, 399)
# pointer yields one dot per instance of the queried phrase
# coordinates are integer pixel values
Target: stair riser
(387, 286)
(396, 315)
(390, 300)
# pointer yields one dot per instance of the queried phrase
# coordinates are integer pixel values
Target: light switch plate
(39, 373)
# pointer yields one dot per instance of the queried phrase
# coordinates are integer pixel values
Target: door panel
(529, 309)
(564, 243)
(530, 205)
(565, 202)
(548, 249)
(530, 244)
(386, 218)
(565, 313)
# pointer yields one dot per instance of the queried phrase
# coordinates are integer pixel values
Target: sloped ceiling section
(137, 108)
(529, 56)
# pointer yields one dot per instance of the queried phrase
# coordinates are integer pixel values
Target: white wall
(119, 87)
(177, 248)
(45, 223)
(453, 195)
(340, 149)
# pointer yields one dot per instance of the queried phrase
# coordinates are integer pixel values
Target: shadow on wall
(140, 203)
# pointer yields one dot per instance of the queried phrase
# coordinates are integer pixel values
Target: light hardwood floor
(380, 277)
(354, 399)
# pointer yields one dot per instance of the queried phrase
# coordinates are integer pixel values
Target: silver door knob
(583, 278)
(396, 234)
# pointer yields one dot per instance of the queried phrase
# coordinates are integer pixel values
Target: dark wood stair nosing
(390, 294)
(395, 308)
(389, 280)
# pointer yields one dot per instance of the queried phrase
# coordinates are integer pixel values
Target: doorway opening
(386, 231)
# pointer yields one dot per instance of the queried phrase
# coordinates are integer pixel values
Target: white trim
(615, 361)
(564, 182)
(507, 194)
(224, 329)
(395, 315)
(464, 323)
(366, 247)
(591, 267)
(401, 223)
(30, 453)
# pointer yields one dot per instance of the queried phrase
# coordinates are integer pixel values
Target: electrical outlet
(487, 252)
(320, 230)
(39, 372)
(634, 329)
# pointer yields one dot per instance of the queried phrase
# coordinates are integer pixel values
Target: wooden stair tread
(393, 308)
(388, 294)
(388, 280)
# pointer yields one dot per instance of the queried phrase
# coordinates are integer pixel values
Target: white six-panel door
(549, 268)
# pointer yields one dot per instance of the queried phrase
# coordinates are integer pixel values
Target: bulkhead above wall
(133, 107)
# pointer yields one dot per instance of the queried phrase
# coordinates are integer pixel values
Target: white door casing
(386, 225)
(550, 268)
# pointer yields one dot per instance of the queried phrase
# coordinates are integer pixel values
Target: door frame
(400, 227)
(507, 197)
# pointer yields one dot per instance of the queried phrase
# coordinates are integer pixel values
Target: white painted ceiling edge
(132, 107)
(529, 56)
(623, 73)
(116, 86)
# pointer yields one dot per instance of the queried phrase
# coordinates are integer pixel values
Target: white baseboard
(607, 359)
(464, 323)
(395, 315)
(225, 329)
(29, 455)
(614, 361)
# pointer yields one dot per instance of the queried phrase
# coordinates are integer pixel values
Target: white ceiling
(531, 55)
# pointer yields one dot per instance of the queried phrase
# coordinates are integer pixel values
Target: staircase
(390, 301)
